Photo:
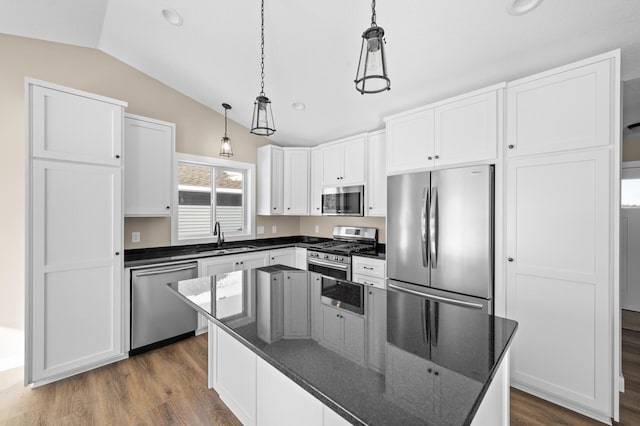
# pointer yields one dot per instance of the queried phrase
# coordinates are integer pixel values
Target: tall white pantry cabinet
(562, 224)
(74, 232)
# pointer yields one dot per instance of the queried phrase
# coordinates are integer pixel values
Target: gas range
(333, 258)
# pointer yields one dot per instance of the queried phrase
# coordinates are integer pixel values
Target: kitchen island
(279, 355)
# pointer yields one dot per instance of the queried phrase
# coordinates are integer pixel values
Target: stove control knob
(326, 256)
(335, 257)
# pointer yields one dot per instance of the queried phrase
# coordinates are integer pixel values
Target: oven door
(343, 201)
(329, 269)
(343, 294)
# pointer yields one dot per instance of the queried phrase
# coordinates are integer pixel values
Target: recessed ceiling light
(520, 7)
(172, 17)
(298, 105)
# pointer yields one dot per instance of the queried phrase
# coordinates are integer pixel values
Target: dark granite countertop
(153, 255)
(436, 370)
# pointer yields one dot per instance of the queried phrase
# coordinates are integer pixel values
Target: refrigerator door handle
(425, 227)
(437, 298)
(433, 228)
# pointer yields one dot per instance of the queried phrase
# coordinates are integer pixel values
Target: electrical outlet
(274, 229)
(135, 237)
(260, 230)
(317, 229)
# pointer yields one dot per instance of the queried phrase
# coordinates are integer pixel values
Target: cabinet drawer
(369, 267)
(372, 281)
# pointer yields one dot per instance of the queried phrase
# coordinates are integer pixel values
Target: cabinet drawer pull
(117, 155)
(367, 267)
(437, 156)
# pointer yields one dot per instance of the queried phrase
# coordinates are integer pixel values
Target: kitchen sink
(229, 250)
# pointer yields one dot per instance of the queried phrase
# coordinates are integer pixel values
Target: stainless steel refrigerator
(440, 228)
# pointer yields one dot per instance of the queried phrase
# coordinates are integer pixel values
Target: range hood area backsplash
(156, 232)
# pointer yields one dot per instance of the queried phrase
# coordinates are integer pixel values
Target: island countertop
(435, 372)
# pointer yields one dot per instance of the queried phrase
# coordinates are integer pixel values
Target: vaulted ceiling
(435, 49)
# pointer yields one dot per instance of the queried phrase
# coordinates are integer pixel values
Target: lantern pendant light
(372, 68)
(262, 120)
(225, 142)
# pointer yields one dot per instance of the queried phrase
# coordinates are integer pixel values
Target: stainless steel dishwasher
(157, 316)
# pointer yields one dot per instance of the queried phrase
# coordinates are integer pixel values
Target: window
(630, 186)
(210, 190)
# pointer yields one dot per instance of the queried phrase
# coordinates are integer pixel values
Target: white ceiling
(435, 49)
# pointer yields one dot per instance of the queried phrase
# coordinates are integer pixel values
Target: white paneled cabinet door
(148, 145)
(565, 110)
(296, 181)
(467, 130)
(376, 175)
(332, 157)
(558, 266)
(353, 161)
(410, 142)
(76, 267)
(270, 181)
(315, 190)
(69, 126)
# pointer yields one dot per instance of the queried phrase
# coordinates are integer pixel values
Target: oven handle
(328, 264)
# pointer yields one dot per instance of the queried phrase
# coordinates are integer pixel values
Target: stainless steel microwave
(343, 201)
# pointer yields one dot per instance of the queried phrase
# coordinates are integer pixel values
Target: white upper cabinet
(467, 130)
(149, 146)
(459, 130)
(560, 110)
(73, 126)
(296, 181)
(315, 189)
(409, 141)
(270, 169)
(343, 162)
(376, 176)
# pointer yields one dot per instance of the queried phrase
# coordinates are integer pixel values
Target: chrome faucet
(216, 231)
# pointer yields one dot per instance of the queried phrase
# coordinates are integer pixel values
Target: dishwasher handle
(165, 271)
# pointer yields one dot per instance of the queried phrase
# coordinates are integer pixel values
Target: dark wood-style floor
(168, 386)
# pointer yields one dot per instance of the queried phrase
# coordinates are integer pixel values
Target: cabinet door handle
(511, 146)
(168, 207)
(429, 158)
(117, 155)
(510, 259)
(370, 292)
(370, 208)
(437, 156)
(117, 253)
(288, 208)
(242, 263)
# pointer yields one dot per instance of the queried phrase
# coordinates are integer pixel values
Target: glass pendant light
(262, 121)
(372, 68)
(225, 142)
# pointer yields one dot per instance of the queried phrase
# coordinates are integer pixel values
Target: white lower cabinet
(281, 402)
(376, 314)
(558, 278)
(301, 258)
(285, 256)
(228, 263)
(256, 392)
(343, 332)
(234, 374)
(296, 305)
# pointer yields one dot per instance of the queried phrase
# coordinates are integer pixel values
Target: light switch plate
(317, 229)
(135, 237)
(274, 229)
(260, 230)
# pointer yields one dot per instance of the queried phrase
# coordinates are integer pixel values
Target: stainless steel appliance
(343, 201)
(440, 235)
(333, 258)
(157, 316)
(343, 294)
